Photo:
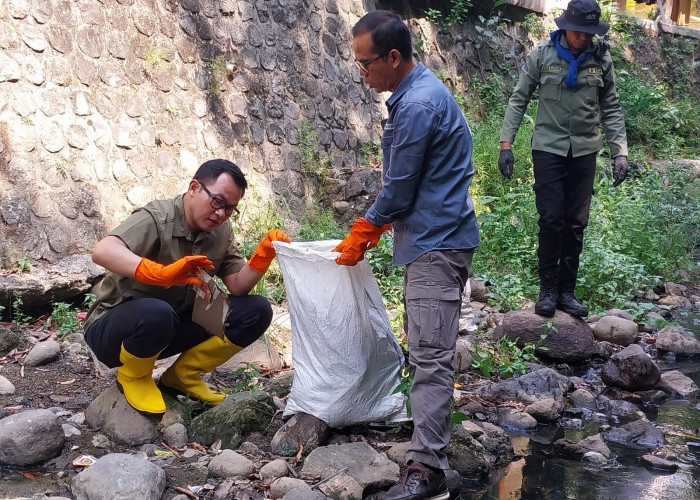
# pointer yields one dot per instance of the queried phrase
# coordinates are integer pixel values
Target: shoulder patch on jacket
(551, 68)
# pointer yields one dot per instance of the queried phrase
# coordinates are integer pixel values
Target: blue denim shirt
(427, 153)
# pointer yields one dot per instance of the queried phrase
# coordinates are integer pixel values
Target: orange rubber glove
(262, 258)
(181, 272)
(363, 236)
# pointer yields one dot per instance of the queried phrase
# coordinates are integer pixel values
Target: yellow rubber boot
(135, 378)
(184, 375)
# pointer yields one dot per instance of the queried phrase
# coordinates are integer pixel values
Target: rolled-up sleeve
(405, 142)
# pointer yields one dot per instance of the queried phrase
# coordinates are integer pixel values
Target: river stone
(593, 443)
(280, 487)
(365, 465)
(43, 353)
(175, 435)
(639, 434)
(623, 411)
(116, 418)
(233, 419)
(631, 369)
(273, 470)
(616, 330)
(7, 388)
(30, 437)
(302, 431)
(658, 463)
(620, 313)
(281, 384)
(397, 452)
(678, 340)
(545, 410)
(9, 340)
(570, 339)
(462, 360)
(534, 386)
(517, 420)
(466, 455)
(581, 398)
(119, 476)
(674, 382)
(228, 463)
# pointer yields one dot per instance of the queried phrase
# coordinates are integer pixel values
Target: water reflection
(543, 475)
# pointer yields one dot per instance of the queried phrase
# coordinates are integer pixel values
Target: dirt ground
(72, 383)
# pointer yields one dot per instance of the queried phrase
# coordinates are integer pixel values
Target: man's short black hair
(388, 32)
(211, 170)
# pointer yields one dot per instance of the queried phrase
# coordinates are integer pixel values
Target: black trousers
(147, 326)
(563, 191)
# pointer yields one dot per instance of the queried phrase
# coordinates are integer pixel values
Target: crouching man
(143, 309)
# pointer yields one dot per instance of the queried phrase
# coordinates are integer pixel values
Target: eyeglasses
(217, 203)
(364, 65)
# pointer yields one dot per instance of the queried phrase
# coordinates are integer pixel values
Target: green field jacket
(568, 117)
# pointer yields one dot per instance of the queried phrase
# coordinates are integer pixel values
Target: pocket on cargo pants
(432, 315)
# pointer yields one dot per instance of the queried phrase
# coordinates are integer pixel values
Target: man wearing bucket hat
(577, 92)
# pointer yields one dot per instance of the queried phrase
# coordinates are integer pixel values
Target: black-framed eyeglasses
(217, 203)
(364, 65)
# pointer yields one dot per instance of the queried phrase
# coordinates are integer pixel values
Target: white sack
(346, 358)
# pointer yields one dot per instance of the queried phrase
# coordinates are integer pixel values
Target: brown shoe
(419, 483)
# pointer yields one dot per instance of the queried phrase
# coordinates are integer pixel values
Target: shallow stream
(544, 475)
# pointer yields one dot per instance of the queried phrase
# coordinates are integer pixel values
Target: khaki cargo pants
(433, 287)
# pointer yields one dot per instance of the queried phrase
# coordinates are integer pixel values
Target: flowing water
(544, 475)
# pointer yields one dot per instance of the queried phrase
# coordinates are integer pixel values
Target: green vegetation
(505, 358)
(220, 70)
(17, 315)
(310, 151)
(456, 14)
(64, 318)
(154, 56)
(24, 265)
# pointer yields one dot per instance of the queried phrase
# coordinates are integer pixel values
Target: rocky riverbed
(602, 395)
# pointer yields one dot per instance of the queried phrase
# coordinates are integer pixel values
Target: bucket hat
(583, 15)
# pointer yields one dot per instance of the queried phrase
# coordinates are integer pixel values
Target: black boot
(546, 302)
(567, 302)
(419, 483)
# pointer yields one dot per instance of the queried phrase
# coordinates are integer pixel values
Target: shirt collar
(405, 84)
(180, 228)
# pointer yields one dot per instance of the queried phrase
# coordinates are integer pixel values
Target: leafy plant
(89, 300)
(505, 358)
(247, 378)
(318, 223)
(371, 153)
(24, 265)
(64, 316)
(456, 14)
(17, 315)
(154, 56)
(404, 387)
(534, 25)
(312, 162)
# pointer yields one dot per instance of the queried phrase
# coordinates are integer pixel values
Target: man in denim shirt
(427, 170)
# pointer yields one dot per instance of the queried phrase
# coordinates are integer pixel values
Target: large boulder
(118, 420)
(544, 383)
(119, 476)
(631, 369)
(233, 419)
(365, 465)
(616, 330)
(30, 437)
(569, 339)
(678, 340)
(466, 455)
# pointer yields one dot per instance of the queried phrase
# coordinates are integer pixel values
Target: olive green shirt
(159, 232)
(568, 118)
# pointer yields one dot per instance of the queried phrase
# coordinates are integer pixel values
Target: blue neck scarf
(572, 74)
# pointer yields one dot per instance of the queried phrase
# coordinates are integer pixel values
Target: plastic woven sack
(346, 358)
